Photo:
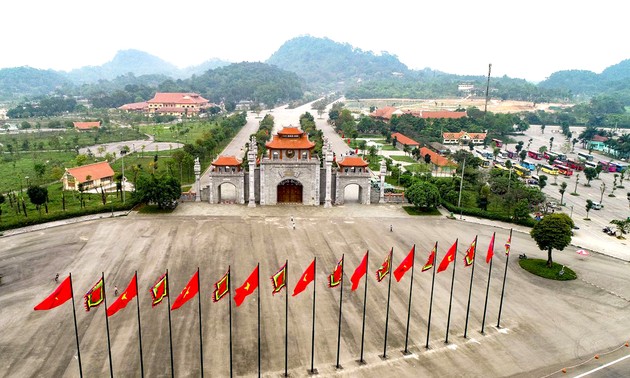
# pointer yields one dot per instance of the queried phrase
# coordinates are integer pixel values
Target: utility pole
(485, 108)
(461, 184)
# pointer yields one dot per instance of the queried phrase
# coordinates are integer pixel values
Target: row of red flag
(160, 289)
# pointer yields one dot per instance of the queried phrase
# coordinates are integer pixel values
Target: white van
(597, 206)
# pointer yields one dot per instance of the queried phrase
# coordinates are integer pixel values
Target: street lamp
(461, 184)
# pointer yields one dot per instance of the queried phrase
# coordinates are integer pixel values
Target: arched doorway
(289, 191)
(352, 194)
(227, 193)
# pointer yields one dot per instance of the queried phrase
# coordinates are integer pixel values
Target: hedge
(529, 221)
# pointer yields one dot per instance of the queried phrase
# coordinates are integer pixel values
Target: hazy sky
(525, 39)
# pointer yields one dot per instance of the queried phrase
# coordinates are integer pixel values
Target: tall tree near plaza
(37, 195)
(552, 232)
(590, 174)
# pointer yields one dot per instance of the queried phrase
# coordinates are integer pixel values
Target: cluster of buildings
(181, 105)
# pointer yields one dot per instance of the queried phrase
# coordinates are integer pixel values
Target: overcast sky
(525, 39)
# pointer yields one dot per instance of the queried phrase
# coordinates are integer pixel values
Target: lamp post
(461, 184)
(602, 189)
(122, 179)
(571, 216)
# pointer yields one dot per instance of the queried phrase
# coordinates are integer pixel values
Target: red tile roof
(442, 114)
(599, 138)
(352, 161)
(134, 106)
(87, 125)
(404, 140)
(460, 134)
(384, 113)
(176, 109)
(177, 98)
(284, 142)
(436, 158)
(96, 171)
(229, 161)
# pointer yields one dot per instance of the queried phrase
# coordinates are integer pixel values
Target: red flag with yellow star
(448, 258)
(62, 293)
(247, 288)
(124, 298)
(307, 277)
(188, 292)
(405, 265)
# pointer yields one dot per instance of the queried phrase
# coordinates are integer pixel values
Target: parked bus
(500, 166)
(620, 167)
(498, 142)
(561, 156)
(484, 154)
(528, 165)
(548, 154)
(578, 166)
(522, 171)
(589, 164)
(585, 157)
(608, 166)
(534, 155)
(564, 170)
(549, 169)
(511, 154)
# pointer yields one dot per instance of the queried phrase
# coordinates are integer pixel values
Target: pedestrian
(116, 290)
(292, 219)
(391, 228)
(294, 225)
(57, 277)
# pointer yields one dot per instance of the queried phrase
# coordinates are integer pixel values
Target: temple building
(290, 172)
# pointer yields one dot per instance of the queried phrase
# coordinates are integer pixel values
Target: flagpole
(413, 260)
(485, 306)
(340, 304)
(507, 258)
(109, 348)
(431, 300)
(200, 329)
(313, 331)
(76, 329)
(389, 290)
(367, 257)
(230, 316)
(286, 319)
(139, 328)
(472, 274)
(170, 332)
(450, 301)
(258, 293)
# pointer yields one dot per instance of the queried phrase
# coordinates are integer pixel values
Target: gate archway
(289, 191)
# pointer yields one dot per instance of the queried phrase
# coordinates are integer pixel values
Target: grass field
(404, 159)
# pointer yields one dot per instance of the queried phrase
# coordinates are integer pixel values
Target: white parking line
(602, 367)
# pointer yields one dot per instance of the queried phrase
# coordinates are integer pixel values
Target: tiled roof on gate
(352, 161)
(228, 160)
(284, 140)
(96, 171)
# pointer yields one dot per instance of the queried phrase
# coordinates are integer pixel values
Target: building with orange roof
(226, 171)
(463, 137)
(386, 113)
(90, 175)
(135, 107)
(436, 159)
(177, 104)
(82, 126)
(442, 114)
(402, 141)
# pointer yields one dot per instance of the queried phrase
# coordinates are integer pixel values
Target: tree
(163, 191)
(522, 155)
(495, 152)
(622, 225)
(521, 210)
(542, 181)
(563, 188)
(542, 128)
(484, 195)
(542, 149)
(427, 158)
(590, 174)
(2, 199)
(37, 195)
(423, 195)
(573, 142)
(551, 143)
(552, 232)
(589, 206)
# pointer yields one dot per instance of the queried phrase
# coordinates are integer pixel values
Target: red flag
(470, 253)
(490, 250)
(383, 271)
(221, 287)
(448, 258)
(124, 298)
(62, 293)
(159, 291)
(189, 291)
(334, 279)
(247, 288)
(405, 265)
(307, 277)
(359, 272)
(279, 280)
(430, 260)
(95, 296)
(508, 244)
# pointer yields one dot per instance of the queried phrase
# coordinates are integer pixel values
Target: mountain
(26, 81)
(612, 79)
(202, 68)
(323, 62)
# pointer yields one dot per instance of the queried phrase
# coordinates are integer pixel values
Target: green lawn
(405, 159)
(412, 210)
(389, 147)
(539, 268)
(184, 132)
(16, 168)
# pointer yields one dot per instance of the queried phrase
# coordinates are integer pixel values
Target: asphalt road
(544, 323)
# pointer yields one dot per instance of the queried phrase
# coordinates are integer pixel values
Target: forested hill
(26, 81)
(323, 62)
(614, 81)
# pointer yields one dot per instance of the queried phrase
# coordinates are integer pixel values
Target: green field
(182, 132)
(404, 159)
